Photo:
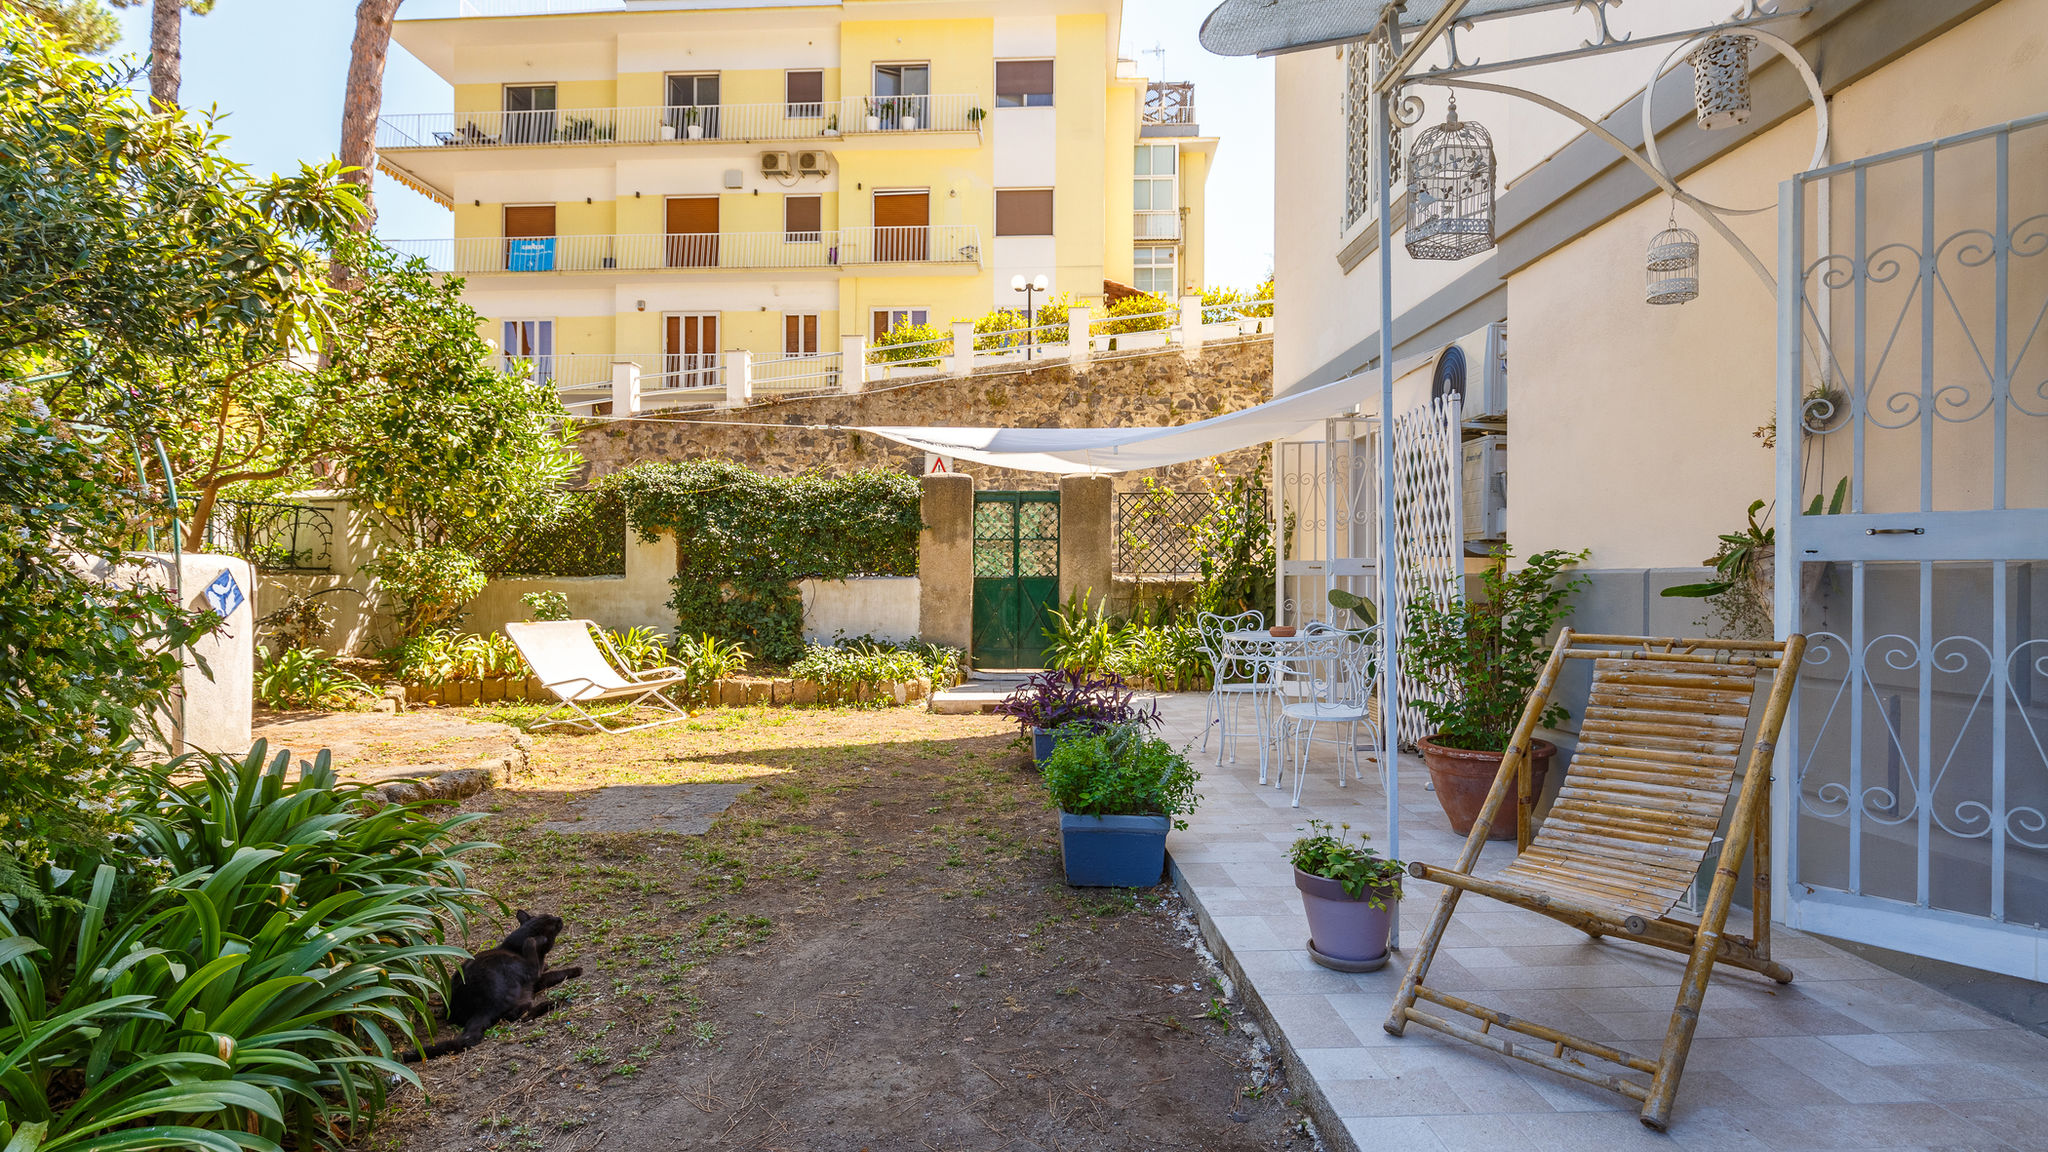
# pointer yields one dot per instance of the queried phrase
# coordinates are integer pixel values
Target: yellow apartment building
(668, 182)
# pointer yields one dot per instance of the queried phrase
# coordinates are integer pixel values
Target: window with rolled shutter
(1023, 83)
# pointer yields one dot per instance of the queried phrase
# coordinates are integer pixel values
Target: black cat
(503, 983)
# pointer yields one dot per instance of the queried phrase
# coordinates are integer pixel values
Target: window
(1023, 83)
(902, 97)
(1024, 212)
(804, 92)
(1152, 188)
(529, 345)
(693, 105)
(1153, 271)
(802, 218)
(903, 79)
(800, 335)
(529, 113)
(889, 319)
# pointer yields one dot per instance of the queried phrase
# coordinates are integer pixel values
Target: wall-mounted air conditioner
(775, 164)
(810, 163)
(1485, 482)
(1485, 354)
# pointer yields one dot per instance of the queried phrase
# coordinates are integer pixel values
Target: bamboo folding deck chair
(1626, 838)
(564, 655)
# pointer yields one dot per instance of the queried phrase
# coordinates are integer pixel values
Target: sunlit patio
(1847, 1056)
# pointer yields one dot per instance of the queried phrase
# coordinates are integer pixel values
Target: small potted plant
(1477, 660)
(831, 125)
(691, 128)
(874, 116)
(1119, 790)
(975, 116)
(1058, 704)
(1348, 891)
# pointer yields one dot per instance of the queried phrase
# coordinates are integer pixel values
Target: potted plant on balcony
(906, 115)
(691, 127)
(1057, 705)
(831, 127)
(874, 113)
(1477, 660)
(975, 116)
(1347, 889)
(1119, 791)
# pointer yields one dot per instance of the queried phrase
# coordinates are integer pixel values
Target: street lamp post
(1028, 288)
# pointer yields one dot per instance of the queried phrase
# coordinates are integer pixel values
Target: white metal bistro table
(1271, 658)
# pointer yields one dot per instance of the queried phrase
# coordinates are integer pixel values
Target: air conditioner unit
(775, 164)
(810, 163)
(1485, 488)
(1486, 372)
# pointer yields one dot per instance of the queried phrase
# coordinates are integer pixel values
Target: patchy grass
(871, 948)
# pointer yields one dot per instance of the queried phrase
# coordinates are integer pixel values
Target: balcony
(958, 244)
(584, 379)
(856, 116)
(1156, 225)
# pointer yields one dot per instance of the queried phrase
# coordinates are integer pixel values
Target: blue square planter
(1042, 744)
(1113, 851)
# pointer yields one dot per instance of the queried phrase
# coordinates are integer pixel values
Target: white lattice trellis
(1429, 562)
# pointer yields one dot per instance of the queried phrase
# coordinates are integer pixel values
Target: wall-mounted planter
(1113, 851)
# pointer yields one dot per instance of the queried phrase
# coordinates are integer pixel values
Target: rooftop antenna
(1158, 49)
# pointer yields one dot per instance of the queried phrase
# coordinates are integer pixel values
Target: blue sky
(275, 69)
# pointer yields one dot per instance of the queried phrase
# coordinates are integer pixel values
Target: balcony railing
(584, 379)
(1156, 225)
(854, 116)
(833, 248)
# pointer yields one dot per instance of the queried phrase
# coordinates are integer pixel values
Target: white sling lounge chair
(564, 654)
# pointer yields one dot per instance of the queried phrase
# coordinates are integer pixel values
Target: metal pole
(1390, 605)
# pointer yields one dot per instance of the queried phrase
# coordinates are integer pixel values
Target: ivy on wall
(744, 539)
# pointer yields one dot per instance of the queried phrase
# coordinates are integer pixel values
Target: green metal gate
(1016, 576)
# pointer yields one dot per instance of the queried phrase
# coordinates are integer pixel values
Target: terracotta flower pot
(1345, 932)
(1464, 777)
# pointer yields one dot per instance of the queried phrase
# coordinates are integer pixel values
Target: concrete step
(980, 694)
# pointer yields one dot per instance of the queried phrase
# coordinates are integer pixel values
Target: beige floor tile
(1424, 1092)
(2021, 1123)
(1393, 1134)
(1309, 1022)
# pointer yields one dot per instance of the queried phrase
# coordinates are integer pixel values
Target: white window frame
(544, 334)
(818, 333)
(1172, 267)
(912, 316)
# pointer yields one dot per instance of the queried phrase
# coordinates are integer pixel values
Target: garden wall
(1162, 388)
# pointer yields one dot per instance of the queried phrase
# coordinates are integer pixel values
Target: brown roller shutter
(1024, 212)
(530, 220)
(1024, 82)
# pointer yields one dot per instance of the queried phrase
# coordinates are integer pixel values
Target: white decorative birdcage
(1672, 271)
(1450, 190)
(1720, 80)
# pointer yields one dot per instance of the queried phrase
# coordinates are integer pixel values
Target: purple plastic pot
(1344, 933)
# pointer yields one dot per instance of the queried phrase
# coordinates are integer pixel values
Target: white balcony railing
(585, 379)
(833, 248)
(1156, 225)
(826, 120)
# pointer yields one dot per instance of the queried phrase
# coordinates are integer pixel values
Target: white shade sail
(1267, 27)
(1072, 451)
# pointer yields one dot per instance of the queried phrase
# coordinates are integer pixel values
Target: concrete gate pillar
(945, 561)
(1087, 536)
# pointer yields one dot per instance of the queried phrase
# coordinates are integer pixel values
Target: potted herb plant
(975, 116)
(691, 128)
(1057, 704)
(1119, 790)
(874, 116)
(1347, 889)
(1477, 660)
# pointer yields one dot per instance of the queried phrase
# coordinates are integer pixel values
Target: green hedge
(744, 539)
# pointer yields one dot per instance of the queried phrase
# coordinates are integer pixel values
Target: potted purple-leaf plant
(1056, 704)
(1348, 891)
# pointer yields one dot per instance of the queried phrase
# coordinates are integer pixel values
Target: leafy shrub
(1063, 699)
(705, 658)
(1478, 659)
(639, 648)
(446, 655)
(851, 671)
(915, 344)
(257, 997)
(551, 604)
(426, 588)
(1327, 852)
(307, 678)
(1140, 313)
(1081, 638)
(745, 539)
(1234, 547)
(1167, 656)
(1002, 328)
(1121, 771)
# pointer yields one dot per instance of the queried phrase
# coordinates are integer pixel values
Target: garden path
(1848, 1056)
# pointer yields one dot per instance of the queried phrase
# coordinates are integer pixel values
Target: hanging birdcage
(1450, 190)
(1672, 271)
(1720, 80)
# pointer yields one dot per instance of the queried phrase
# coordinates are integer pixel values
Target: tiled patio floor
(1848, 1056)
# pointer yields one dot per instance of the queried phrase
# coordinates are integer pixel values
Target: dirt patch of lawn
(871, 948)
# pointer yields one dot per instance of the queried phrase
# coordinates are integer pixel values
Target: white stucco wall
(1634, 424)
(885, 607)
(219, 701)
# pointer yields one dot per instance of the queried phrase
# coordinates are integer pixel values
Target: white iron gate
(1329, 519)
(1913, 347)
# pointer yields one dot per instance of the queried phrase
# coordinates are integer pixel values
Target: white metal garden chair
(1338, 669)
(1234, 681)
(565, 656)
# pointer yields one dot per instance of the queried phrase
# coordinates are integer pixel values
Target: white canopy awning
(1071, 451)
